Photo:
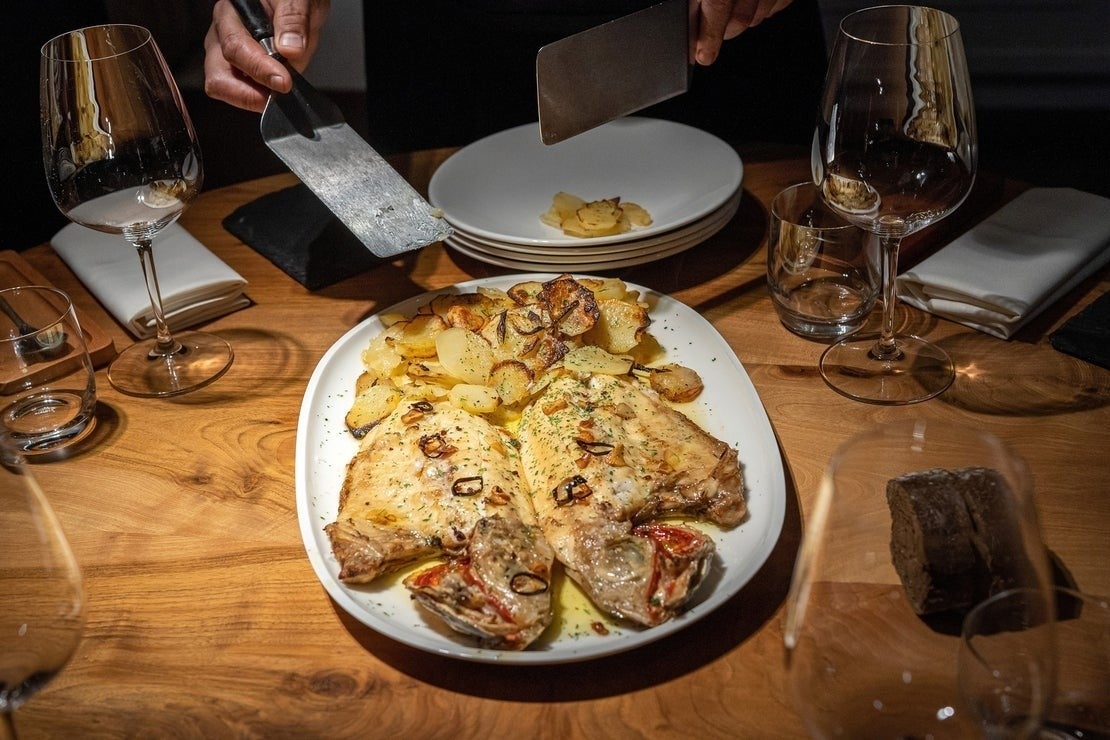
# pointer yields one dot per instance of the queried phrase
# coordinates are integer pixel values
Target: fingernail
(291, 40)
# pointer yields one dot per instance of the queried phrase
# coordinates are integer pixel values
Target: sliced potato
(620, 326)
(511, 379)
(636, 213)
(600, 214)
(417, 337)
(525, 293)
(570, 305)
(371, 406)
(474, 399)
(465, 355)
(676, 383)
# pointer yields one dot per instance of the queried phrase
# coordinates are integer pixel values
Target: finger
(223, 82)
(242, 52)
(712, 16)
(297, 25)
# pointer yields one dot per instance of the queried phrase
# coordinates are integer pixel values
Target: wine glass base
(141, 371)
(921, 371)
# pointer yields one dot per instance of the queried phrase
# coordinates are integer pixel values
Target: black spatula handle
(254, 17)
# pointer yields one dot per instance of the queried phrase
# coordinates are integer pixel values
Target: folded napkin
(196, 285)
(1007, 269)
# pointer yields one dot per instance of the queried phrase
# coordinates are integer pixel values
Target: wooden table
(205, 618)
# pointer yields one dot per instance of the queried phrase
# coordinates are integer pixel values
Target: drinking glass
(1003, 670)
(41, 596)
(121, 157)
(894, 151)
(914, 523)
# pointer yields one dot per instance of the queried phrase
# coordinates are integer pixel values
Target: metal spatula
(307, 131)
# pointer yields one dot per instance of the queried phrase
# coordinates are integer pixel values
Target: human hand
(720, 20)
(237, 70)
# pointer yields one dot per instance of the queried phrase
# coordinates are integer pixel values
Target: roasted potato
(676, 383)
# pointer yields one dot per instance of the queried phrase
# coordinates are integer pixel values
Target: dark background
(1040, 71)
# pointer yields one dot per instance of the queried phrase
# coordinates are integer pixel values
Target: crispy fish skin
(500, 592)
(602, 457)
(420, 482)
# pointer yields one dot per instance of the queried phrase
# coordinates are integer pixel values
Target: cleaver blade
(614, 69)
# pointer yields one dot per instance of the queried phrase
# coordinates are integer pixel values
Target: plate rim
(773, 467)
(726, 151)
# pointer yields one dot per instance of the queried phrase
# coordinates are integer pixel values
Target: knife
(614, 69)
(307, 132)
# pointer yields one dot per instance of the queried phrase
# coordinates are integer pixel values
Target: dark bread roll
(954, 538)
(931, 542)
(996, 530)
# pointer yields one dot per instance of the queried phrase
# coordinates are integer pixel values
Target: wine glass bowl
(41, 592)
(894, 151)
(914, 523)
(121, 157)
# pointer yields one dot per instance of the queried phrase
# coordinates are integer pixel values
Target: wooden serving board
(14, 272)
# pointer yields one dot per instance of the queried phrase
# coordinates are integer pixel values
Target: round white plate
(729, 408)
(586, 249)
(625, 258)
(498, 186)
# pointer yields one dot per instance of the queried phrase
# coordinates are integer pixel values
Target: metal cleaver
(613, 69)
(307, 132)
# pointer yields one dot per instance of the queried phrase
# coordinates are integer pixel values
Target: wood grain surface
(205, 619)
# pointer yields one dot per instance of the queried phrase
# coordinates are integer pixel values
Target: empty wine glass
(1004, 671)
(121, 157)
(895, 150)
(914, 523)
(41, 597)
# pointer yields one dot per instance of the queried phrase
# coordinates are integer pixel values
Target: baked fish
(433, 480)
(604, 457)
(500, 592)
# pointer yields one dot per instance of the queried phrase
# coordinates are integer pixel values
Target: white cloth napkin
(1008, 268)
(196, 285)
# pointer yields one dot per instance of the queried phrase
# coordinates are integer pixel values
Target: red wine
(895, 177)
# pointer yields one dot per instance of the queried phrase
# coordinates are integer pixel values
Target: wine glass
(1007, 662)
(121, 157)
(895, 150)
(914, 523)
(41, 596)
(1002, 670)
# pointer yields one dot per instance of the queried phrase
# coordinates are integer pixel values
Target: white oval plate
(498, 186)
(729, 408)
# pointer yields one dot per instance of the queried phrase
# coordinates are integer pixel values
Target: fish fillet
(603, 457)
(433, 480)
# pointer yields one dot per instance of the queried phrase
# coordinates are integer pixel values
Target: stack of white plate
(493, 192)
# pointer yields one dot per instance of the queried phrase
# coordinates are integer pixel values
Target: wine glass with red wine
(895, 150)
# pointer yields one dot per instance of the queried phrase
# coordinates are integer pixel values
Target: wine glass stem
(886, 348)
(164, 344)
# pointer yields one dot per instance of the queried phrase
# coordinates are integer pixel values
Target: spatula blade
(356, 183)
(612, 70)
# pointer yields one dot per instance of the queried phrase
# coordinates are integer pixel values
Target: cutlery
(34, 340)
(307, 132)
(614, 69)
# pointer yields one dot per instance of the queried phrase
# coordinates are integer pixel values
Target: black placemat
(293, 229)
(1087, 334)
